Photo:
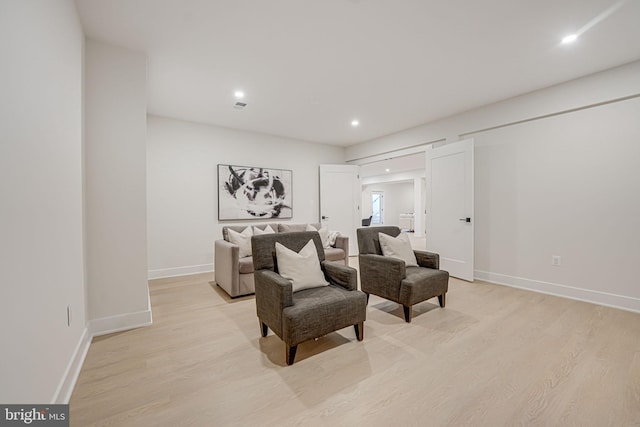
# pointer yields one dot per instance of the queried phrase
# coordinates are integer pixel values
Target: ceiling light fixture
(569, 39)
(355, 123)
(239, 94)
(387, 170)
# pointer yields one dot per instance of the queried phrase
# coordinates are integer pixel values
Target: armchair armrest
(340, 275)
(273, 294)
(380, 275)
(342, 242)
(428, 259)
(226, 266)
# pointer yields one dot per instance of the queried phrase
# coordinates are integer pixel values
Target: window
(377, 208)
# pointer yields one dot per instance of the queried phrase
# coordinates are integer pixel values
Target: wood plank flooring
(495, 356)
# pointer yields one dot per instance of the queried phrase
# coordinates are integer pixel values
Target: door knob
(467, 219)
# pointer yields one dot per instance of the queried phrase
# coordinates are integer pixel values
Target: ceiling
(308, 68)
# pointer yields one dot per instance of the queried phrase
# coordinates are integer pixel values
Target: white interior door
(340, 197)
(449, 206)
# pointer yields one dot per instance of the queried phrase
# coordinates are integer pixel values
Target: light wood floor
(495, 356)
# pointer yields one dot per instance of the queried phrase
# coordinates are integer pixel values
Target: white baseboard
(62, 394)
(179, 271)
(121, 322)
(595, 297)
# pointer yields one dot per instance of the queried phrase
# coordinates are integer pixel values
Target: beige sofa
(235, 274)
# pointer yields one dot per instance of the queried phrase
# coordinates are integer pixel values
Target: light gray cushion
(302, 268)
(333, 254)
(398, 247)
(243, 240)
(267, 230)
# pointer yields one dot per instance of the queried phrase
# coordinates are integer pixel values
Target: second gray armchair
(390, 278)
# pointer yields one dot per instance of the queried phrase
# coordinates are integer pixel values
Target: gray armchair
(389, 278)
(299, 316)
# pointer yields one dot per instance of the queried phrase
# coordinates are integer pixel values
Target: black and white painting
(253, 193)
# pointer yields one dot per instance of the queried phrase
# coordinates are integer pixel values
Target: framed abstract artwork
(246, 192)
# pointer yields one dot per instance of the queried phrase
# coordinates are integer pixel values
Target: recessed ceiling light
(355, 123)
(569, 39)
(239, 94)
(387, 170)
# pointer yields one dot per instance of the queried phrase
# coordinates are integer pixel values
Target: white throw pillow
(398, 247)
(302, 268)
(243, 240)
(267, 230)
(324, 235)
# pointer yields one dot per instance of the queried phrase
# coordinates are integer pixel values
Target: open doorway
(393, 191)
(377, 207)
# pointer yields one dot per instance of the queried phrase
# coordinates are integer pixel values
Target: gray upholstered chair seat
(318, 311)
(390, 278)
(422, 284)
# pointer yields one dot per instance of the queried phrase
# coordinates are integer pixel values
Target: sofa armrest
(380, 275)
(342, 242)
(427, 259)
(226, 266)
(273, 294)
(340, 275)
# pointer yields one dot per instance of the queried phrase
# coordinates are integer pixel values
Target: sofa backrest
(288, 228)
(240, 228)
(278, 228)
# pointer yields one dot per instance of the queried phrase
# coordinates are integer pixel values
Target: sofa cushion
(333, 254)
(267, 230)
(288, 228)
(243, 240)
(323, 232)
(245, 265)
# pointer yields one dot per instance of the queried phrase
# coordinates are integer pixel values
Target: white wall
(557, 175)
(182, 186)
(398, 198)
(41, 200)
(116, 215)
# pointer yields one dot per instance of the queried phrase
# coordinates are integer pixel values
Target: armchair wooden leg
(367, 297)
(264, 328)
(408, 313)
(291, 354)
(359, 327)
(441, 300)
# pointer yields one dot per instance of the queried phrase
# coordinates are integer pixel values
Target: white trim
(179, 271)
(67, 383)
(595, 297)
(120, 322)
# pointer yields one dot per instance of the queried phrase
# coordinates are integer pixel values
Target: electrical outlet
(555, 260)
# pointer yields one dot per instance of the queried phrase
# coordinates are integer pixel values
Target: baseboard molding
(179, 271)
(121, 322)
(62, 394)
(595, 297)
